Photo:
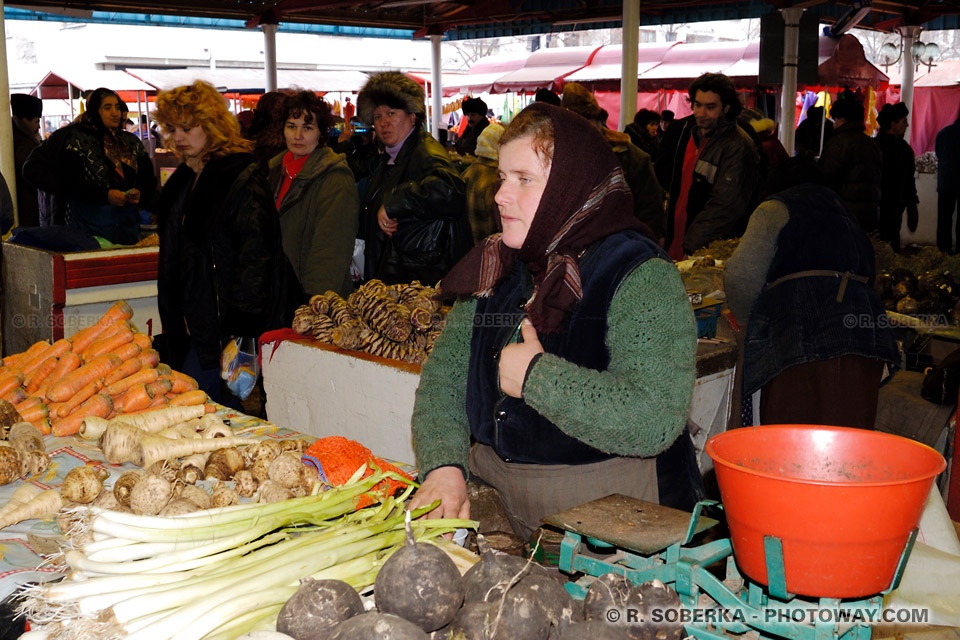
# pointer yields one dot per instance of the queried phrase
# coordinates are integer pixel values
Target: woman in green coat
(316, 198)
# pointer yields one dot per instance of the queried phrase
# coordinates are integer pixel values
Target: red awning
(546, 69)
(606, 63)
(448, 81)
(55, 86)
(485, 73)
(683, 63)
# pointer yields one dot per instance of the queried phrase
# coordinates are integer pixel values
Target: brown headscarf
(585, 199)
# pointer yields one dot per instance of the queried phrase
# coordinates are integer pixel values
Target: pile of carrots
(103, 370)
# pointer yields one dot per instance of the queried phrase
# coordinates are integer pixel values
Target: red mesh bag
(338, 458)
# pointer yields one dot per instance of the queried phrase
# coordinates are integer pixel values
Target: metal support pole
(270, 55)
(70, 98)
(628, 62)
(909, 35)
(436, 86)
(7, 166)
(788, 95)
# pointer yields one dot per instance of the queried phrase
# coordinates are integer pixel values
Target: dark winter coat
(319, 217)
(467, 144)
(948, 158)
(222, 270)
(808, 135)
(482, 178)
(899, 187)
(640, 177)
(851, 163)
(642, 139)
(724, 184)
(424, 193)
(28, 206)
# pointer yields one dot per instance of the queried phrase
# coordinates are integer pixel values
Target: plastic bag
(238, 366)
(356, 263)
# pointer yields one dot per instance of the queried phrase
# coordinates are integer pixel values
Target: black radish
(317, 607)
(377, 626)
(488, 578)
(594, 630)
(419, 583)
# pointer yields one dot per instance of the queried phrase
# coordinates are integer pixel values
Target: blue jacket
(800, 320)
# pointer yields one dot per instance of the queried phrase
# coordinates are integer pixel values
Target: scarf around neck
(585, 200)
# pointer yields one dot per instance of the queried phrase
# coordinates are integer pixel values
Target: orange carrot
(15, 395)
(159, 387)
(99, 405)
(128, 368)
(182, 382)
(85, 337)
(68, 362)
(150, 358)
(33, 381)
(133, 399)
(36, 412)
(143, 340)
(80, 397)
(143, 376)
(114, 329)
(158, 401)
(100, 367)
(55, 350)
(26, 404)
(128, 351)
(119, 311)
(9, 381)
(107, 345)
(42, 425)
(18, 359)
(190, 398)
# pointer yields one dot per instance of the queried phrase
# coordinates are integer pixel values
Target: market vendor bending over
(569, 358)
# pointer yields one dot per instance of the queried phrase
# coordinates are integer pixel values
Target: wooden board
(628, 523)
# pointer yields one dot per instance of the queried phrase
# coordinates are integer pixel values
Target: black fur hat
(393, 89)
(474, 105)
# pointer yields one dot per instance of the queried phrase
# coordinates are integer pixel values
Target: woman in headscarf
(569, 357)
(106, 172)
(222, 271)
(316, 198)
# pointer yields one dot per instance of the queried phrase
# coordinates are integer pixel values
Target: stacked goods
(400, 322)
(918, 281)
(104, 370)
(220, 573)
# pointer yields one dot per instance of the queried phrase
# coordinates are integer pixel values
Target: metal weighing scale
(645, 541)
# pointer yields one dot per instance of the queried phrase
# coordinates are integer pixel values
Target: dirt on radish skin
(437, 591)
(317, 607)
(508, 618)
(487, 579)
(594, 630)
(377, 626)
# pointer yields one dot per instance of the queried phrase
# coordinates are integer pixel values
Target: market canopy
(446, 80)
(545, 69)
(251, 80)
(484, 73)
(606, 64)
(57, 86)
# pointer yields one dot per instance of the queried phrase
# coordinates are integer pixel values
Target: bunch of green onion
(220, 573)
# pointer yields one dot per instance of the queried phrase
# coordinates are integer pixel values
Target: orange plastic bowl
(842, 501)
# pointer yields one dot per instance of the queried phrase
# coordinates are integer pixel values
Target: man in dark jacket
(712, 169)
(475, 111)
(948, 184)
(899, 188)
(851, 163)
(27, 111)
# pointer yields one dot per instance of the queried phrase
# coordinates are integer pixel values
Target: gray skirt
(533, 491)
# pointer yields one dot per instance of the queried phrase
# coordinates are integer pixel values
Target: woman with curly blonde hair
(222, 271)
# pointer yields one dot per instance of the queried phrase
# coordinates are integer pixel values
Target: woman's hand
(348, 128)
(515, 360)
(133, 196)
(387, 224)
(116, 197)
(447, 485)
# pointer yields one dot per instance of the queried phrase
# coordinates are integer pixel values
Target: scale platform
(645, 541)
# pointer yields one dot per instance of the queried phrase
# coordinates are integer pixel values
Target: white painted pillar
(270, 55)
(788, 95)
(7, 166)
(628, 62)
(436, 85)
(70, 98)
(909, 34)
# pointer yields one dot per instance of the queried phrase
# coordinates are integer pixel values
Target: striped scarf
(585, 200)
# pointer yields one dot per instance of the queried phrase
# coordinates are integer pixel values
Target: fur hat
(488, 142)
(26, 106)
(474, 105)
(545, 95)
(578, 99)
(890, 113)
(393, 89)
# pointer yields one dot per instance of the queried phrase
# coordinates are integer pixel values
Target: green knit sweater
(637, 407)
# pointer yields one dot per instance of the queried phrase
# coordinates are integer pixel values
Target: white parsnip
(25, 493)
(45, 505)
(156, 421)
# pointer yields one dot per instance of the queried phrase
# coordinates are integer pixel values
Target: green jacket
(319, 217)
